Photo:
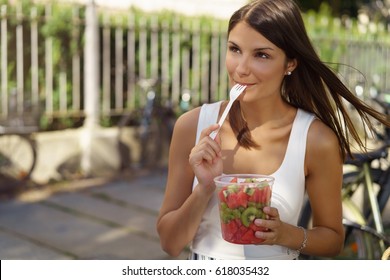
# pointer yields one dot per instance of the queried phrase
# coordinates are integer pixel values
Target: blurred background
(90, 91)
(71, 65)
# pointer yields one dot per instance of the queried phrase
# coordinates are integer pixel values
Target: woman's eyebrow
(255, 50)
(263, 49)
(231, 42)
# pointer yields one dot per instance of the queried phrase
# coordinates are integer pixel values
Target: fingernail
(258, 222)
(259, 234)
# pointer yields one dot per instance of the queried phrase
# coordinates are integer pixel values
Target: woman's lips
(247, 85)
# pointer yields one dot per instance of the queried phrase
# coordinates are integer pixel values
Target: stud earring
(288, 73)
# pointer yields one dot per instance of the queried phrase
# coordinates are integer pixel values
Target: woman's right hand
(206, 158)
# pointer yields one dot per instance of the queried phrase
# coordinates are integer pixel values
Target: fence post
(91, 82)
(4, 62)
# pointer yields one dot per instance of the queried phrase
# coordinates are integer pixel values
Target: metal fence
(40, 70)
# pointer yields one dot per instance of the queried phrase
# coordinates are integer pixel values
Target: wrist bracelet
(303, 245)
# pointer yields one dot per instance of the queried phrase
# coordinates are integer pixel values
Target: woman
(289, 123)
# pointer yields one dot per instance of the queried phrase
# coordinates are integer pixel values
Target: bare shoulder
(321, 135)
(188, 122)
(322, 144)
(184, 133)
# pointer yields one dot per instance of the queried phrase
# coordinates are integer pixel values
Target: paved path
(112, 220)
(89, 219)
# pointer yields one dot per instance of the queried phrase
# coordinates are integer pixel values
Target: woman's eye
(234, 49)
(262, 55)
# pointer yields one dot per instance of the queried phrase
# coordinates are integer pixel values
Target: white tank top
(287, 196)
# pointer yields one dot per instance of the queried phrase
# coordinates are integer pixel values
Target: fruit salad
(241, 201)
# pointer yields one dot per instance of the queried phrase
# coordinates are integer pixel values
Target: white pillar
(91, 84)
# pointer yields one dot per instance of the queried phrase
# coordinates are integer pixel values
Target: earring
(288, 73)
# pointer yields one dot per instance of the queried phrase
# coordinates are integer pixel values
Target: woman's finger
(207, 131)
(205, 151)
(272, 212)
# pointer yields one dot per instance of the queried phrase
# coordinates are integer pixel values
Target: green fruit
(227, 216)
(250, 180)
(236, 213)
(261, 214)
(248, 190)
(249, 215)
(232, 188)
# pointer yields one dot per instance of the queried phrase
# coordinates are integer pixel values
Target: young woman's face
(254, 61)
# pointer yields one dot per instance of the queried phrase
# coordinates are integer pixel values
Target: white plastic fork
(234, 93)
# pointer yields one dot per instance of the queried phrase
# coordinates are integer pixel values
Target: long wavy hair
(313, 86)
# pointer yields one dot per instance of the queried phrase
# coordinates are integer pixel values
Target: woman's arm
(323, 169)
(182, 208)
(323, 184)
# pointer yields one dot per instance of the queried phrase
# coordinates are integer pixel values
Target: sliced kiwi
(248, 215)
(228, 214)
(248, 190)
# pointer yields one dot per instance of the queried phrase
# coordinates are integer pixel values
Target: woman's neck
(266, 115)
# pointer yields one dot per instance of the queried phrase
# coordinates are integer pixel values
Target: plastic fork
(234, 93)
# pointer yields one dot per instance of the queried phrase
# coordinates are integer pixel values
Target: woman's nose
(242, 68)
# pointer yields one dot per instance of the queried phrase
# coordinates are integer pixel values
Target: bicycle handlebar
(360, 158)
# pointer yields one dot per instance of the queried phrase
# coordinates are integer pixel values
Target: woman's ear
(291, 65)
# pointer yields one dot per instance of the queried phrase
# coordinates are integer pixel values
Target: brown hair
(313, 86)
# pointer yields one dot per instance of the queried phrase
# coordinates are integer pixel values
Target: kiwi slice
(228, 214)
(248, 215)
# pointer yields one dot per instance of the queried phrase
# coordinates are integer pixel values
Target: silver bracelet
(303, 245)
(304, 242)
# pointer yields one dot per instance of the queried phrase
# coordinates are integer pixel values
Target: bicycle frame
(364, 179)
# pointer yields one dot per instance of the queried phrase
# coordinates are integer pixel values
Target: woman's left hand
(273, 224)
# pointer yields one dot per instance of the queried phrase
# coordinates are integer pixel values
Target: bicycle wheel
(384, 191)
(357, 245)
(17, 157)
(126, 126)
(374, 244)
(152, 143)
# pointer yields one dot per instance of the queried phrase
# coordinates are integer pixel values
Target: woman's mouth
(247, 85)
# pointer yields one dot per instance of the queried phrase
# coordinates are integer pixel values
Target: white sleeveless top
(287, 196)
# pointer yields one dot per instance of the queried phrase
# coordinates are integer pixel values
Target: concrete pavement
(98, 219)
(89, 219)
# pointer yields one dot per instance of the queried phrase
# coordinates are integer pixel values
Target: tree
(377, 11)
(339, 7)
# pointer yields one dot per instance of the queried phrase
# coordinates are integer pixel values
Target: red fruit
(229, 230)
(266, 194)
(256, 196)
(233, 201)
(239, 234)
(242, 199)
(238, 222)
(221, 195)
(257, 228)
(249, 236)
(234, 180)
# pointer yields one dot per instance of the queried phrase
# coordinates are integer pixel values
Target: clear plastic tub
(242, 198)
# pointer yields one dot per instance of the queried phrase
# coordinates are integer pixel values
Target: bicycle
(364, 230)
(370, 176)
(153, 129)
(18, 151)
